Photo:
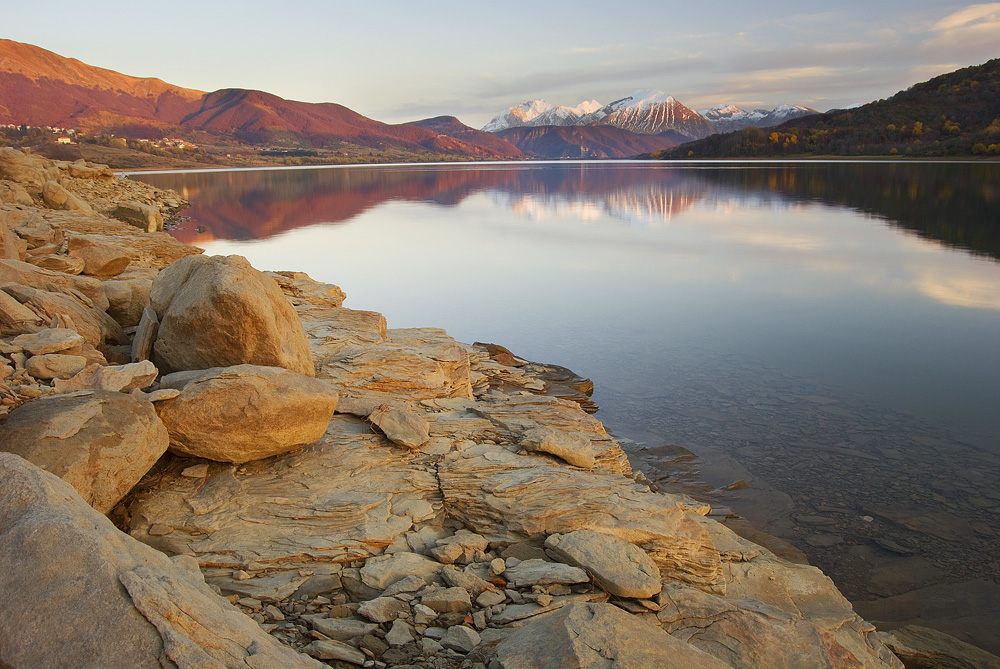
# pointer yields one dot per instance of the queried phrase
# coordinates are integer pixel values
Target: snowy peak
(726, 118)
(651, 112)
(536, 113)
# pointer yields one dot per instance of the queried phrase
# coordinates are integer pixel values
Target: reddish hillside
(42, 88)
(587, 141)
(452, 127)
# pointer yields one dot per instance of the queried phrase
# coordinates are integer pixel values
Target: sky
(403, 61)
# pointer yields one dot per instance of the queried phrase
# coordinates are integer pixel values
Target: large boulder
(247, 412)
(218, 311)
(99, 442)
(76, 592)
(587, 635)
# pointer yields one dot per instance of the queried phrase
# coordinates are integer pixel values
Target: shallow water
(828, 332)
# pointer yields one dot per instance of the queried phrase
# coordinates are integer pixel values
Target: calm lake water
(827, 333)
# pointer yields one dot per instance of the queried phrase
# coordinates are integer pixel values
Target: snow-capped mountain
(645, 112)
(726, 118)
(650, 112)
(534, 113)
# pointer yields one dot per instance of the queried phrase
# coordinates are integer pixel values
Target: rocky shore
(206, 465)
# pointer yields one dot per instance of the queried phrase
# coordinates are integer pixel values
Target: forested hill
(955, 114)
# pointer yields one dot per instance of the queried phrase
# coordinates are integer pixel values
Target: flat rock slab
(49, 340)
(509, 498)
(247, 412)
(111, 601)
(335, 500)
(381, 572)
(519, 414)
(588, 635)
(411, 364)
(542, 572)
(619, 567)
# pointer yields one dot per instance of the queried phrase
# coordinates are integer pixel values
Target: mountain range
(41, 88)
(644, 112)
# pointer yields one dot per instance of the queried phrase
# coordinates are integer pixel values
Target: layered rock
(219, 312)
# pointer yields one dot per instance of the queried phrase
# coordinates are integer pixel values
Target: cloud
(974, 15)
(970, 35)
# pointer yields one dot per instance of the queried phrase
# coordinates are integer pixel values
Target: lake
(812, 346)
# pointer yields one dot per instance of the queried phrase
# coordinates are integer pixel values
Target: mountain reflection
(958, 204)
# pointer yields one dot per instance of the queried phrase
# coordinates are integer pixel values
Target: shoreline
(400, 524)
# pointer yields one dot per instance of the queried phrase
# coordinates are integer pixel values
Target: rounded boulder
(247, 412)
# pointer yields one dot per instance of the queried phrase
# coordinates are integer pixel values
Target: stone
(447, 600)
(55, 366)
(406, 584)
(924, 648)
(498, 566)
(341, 629)
(423, 615)
(117, 378)
(575, 449)
(145, 335)
(401, 633)
(382, 572)
(620, 568)
(58, 263)
(25, 168)
(541, 572)
(465, 579)
(461, 547)
(13, 193)
(247, 412)
(128, 299)
(143, 216)
(490, 598)
(68, 309)
(400, 426)
(99, 442)
(461, 639)
(335, 650)
(99, 260)
(57, 197)
(383, 609)
(49, 340)
(218, 311)
(111, 601)
(26, 274)
(15, 317)
(591, 636)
